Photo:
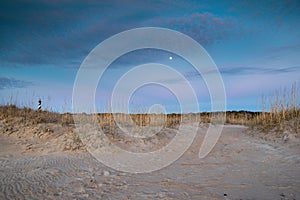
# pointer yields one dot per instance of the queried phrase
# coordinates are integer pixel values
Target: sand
(239, 167)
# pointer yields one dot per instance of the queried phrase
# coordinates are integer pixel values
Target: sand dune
(239, 167)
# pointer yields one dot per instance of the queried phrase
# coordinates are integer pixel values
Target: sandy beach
(239, 167)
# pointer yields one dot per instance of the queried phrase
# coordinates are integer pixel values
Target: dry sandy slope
(240, 166)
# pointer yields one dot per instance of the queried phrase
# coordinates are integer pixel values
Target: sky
(255, 45)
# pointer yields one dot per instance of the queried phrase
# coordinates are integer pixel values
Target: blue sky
(255, 44)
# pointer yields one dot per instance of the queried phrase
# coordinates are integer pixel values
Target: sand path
(239, 167)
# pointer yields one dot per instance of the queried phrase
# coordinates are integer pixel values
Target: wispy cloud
(11, 83)
(258, 70)
(206, 27)
(240, 71)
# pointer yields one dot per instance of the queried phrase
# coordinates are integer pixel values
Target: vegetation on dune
(29, 116)
(29, 124)
(279, 115)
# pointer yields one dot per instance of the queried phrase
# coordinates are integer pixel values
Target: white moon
(170, 58)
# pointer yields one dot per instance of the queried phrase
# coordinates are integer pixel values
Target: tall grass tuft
(282, 113)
